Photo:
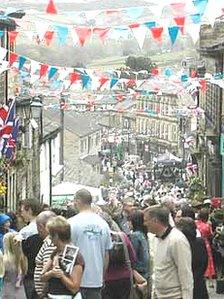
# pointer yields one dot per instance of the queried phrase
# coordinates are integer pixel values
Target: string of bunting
(33, 71)
(46, 31)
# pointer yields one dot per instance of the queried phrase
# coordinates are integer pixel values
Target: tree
(196, 190)
(139, 63)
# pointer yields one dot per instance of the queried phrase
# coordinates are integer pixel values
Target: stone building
(157, 125)
(211, 130)
(82, 144)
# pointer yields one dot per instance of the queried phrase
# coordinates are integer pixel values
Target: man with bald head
(31, 247)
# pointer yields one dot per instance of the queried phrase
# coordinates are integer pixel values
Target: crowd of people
(146, 242)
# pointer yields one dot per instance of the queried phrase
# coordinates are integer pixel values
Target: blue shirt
(92, 235)
(141, 247)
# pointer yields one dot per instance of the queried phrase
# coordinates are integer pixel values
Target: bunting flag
(173, 32)
(113, 82)
(6, 128)
(83, 34)
(178, 8)
(22, 61)
(155, 72)
(48, 37)
(139, 33)
(85, 81)
(200, 6)
(73, 77)
(10, 145)
(52, 72)
(102, 33)
(196, 18)
(103, 80)
(203, 84)
(157, 33)
(51, 8)
(43, 69)
(180, 21)
(62, 33)
(150, 24)
(12, 58)
(168, 72)
(12, 36)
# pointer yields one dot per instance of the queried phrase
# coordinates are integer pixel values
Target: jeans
(91, 293)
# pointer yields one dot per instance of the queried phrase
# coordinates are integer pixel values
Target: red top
(122, 272)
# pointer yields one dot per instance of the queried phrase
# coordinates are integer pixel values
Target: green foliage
(138, 63)
(196, 190)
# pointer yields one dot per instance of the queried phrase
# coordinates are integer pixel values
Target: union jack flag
(10, 146)
(7, 124)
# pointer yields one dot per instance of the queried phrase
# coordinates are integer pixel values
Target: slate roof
(81, 124)
(92, 159)
(50, 129)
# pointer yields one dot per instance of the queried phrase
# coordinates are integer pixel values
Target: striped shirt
(41, 259)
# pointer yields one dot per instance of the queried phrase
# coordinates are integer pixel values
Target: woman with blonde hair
(64, 270)
(15, 264)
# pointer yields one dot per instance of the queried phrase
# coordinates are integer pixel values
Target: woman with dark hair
(205, 229)
(140, 243)
(199, 256)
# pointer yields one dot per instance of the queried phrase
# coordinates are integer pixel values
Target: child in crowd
(15, 264)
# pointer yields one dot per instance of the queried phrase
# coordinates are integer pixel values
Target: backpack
(117, 253)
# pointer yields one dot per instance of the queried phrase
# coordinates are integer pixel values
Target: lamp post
(31, 109)
(62, 122)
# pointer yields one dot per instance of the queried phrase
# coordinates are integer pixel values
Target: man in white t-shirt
(92, 235)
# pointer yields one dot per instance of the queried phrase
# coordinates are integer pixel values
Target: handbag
(134, 294)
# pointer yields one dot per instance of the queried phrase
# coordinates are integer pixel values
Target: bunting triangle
(103, 80)
(62, 33)
(178, 8)
(139, 33)
(12, 58)
(203, 84)
(22, 61)
(113, 82)
(85, 81)
(173, 32)
(102, 33)
(150, 24)
(180, 21)
(157, 33)
(73, 77)
(52, 72)
(200, 6)
(83, 34)
(43, 69)
(12, 36)
(48, 36)
(51, 8)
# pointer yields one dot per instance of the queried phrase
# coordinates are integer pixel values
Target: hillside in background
(94, 54)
